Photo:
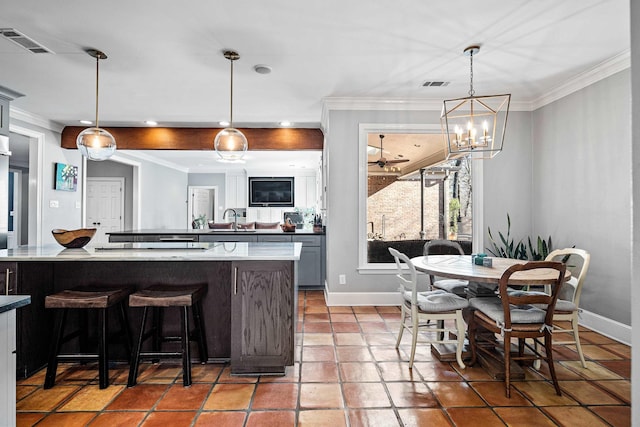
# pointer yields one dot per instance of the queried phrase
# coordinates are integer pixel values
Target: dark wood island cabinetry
(249, 308)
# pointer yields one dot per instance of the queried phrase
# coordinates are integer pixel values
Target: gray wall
(635, 292)
(110, 169)
(582, 186)
(507, 182)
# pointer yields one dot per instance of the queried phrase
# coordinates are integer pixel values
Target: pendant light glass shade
(95, 143)
(475, 125)
(230, 143)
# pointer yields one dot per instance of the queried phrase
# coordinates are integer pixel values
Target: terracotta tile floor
(347, 373)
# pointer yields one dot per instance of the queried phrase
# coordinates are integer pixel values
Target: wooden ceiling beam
(132, 138)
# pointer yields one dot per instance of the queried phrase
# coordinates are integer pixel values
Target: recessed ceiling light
(262, 69)
(224, 123)
(86, 122)
(285, 123)
(151, 123)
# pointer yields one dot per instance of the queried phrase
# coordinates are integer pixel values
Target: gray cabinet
(33, 321)
(274, 238)
(311, 268)
(237, 237)
(263, 317)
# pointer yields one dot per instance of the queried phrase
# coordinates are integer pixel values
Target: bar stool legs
(159, 298)
(82, 300)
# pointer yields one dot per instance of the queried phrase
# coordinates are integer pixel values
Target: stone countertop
(207, 231)
(185, 251)
(11, 302)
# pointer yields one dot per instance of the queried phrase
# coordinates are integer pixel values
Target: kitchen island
(249, 309)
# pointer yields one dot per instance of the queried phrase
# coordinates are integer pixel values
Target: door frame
(36, 158)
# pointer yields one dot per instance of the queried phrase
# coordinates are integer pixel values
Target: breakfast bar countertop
(207, 231)
(178, 251)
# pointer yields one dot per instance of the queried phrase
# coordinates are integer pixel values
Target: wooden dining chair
(522, 316)
(420, 308)
(446, 247)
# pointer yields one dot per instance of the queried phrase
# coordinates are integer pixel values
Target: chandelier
(230, 143)
(95, 143)
(475, 125)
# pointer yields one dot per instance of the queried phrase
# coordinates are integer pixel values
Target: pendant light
(95, 143)
(475, 125)
(230, 143)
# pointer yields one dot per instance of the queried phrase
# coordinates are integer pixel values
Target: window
(411, 194)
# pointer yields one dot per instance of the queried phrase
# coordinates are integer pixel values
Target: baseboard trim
(607, 327)
(361, 298)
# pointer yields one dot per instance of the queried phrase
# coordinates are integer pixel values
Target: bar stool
(87, 299)
(160, 297)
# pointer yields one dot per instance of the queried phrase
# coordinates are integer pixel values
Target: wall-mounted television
(271, 191)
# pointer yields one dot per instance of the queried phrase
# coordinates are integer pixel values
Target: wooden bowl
(73, 238)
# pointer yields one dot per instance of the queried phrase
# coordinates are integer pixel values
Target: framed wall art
(66, 178)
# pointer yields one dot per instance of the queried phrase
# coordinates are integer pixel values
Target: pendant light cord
(97, 79)
(231, 97)
(471, 91)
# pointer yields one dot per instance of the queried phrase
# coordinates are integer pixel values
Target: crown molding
(33, 119)
(601, 71)
(605, 69)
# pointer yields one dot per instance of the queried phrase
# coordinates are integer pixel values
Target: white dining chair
(568, 306)
(419, 309)
(446, 247)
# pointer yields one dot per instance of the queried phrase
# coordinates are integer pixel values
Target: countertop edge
(11, 302)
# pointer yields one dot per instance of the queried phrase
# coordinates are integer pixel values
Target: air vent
(435, 84)
(23, 41)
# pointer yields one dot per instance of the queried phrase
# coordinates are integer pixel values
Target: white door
(202, 204)
(105, 206)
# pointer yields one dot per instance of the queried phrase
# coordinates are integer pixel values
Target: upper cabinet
(236, 190)
(4, 116)
(305, 189)
(6, 96)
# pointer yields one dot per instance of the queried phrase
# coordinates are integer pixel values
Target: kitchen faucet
(235, 217)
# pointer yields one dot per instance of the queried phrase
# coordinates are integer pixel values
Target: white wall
(582, 186)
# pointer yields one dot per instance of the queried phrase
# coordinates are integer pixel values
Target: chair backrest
(442, 247)
(407, 279)
(546, 302)
(581, 258)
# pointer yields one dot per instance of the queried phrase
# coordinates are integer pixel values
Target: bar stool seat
(159, 297)
(86, 298)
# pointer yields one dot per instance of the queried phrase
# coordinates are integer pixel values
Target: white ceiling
(165, 59)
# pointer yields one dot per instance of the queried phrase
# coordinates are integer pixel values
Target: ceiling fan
(382, 161)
